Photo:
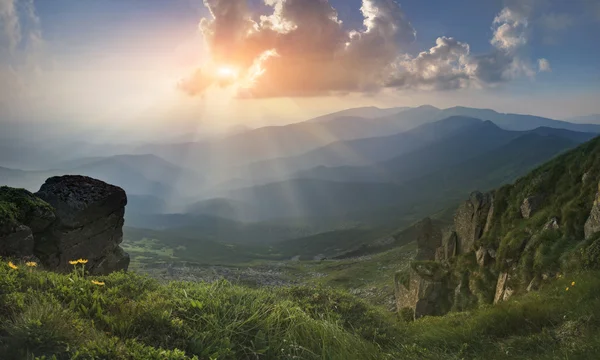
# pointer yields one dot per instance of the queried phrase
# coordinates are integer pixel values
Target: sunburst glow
(227, 72)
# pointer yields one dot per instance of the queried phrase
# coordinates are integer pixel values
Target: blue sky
(142, 45)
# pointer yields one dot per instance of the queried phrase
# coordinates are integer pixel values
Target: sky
(147, 65)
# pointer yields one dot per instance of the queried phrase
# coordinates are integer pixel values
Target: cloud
(301, 49)
(544, 65)
(445, 66)
(19, 26)
(9, 25)
(20, 47)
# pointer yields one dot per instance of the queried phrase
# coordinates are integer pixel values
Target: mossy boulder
(22, 214)
(19, 206)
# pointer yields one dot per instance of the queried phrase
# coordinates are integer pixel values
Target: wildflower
(567, 289)
(73, 262)
(82, 261)
(12, 266)
(31, 264)
(573, 283)
(99, 283)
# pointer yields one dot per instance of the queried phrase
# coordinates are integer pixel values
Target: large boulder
(470, 220)
(90, 216)
(592, 225)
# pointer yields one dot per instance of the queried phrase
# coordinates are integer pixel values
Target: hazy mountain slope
(146, 175)
(143, 174)
(318, 198)
(361, 151)
(518, 122)
(473, 141)
(500, 166)
(224, 208)
(283, 141)
(368, 112)
(219, 229)
(470, 143)
(588, 119)
(303, 197)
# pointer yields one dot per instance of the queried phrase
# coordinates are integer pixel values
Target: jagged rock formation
(429, 239)
(501, 244)
(592, 225)
(426, 292)
(70, 217)
(471, 219)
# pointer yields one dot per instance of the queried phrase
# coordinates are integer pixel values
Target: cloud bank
(20, 45)
(301, 48)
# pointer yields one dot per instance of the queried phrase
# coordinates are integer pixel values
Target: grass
(370, 277)
(134, 317)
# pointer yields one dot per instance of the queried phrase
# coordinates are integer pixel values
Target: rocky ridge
(505, 241)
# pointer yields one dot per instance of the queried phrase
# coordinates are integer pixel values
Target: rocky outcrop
(90, 216)
(592, 225)
(22, 215)
(426, 291)
(483, 256)
(530, 205)
(503, 290)
(448, 248)
(429, 239)
(71, 217)
(470, 220)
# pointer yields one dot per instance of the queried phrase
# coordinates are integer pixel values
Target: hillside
(362, 151)
(126, 316)
(420, 189)
(510, 240)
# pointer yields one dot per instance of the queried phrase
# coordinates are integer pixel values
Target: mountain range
(364, 168)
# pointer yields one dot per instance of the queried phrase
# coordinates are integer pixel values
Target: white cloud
(544, 65)
(302, 49)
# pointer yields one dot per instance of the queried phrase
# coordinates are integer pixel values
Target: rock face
(426, 291)
(503, 291)
(429, 239)
(592, 225)
(89, 224)
(530, 205)
(471, 219)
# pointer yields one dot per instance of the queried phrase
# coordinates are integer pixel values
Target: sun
(227, 72)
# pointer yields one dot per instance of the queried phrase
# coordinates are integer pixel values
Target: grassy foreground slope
(66, 316)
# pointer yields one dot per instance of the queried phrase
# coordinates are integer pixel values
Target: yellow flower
(99, 283)
(31, 263)
(573, 283)
(82, 261)
(12, 266)
(567, 289)
(73, 262)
